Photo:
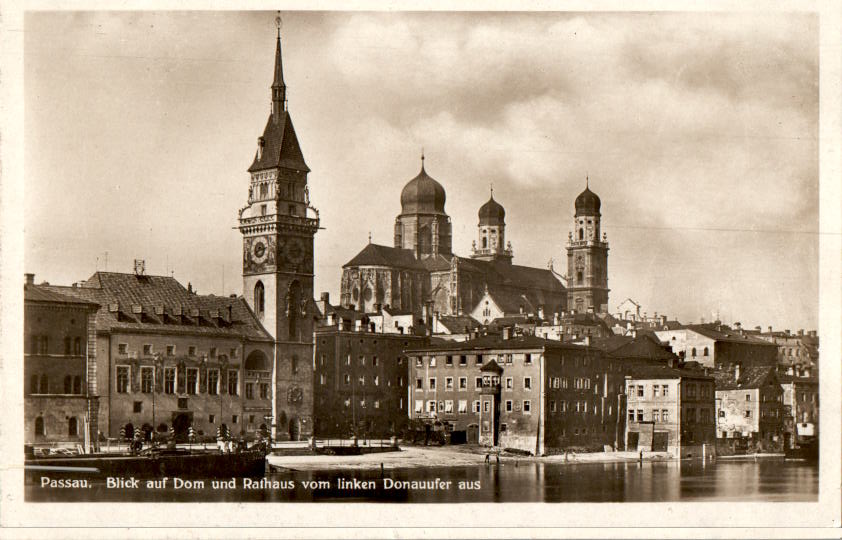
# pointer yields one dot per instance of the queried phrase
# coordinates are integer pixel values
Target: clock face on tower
(258, 254)
(259, 249)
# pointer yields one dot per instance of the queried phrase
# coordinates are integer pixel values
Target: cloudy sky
(699, 133)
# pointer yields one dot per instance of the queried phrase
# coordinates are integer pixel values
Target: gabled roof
(280, 146)
(511, 302)
(377, 255)
(41, 294)
(491, 365)
(458, 324)
(132, 303)
(751, 377)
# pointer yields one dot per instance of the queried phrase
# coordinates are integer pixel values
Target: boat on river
(151, 463)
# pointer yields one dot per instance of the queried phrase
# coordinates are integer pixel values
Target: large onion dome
(587, 203)
(422, 195)
(492, 213)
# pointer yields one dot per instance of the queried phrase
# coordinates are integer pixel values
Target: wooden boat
(153, 463)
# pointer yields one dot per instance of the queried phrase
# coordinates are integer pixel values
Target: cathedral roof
(377, 255)
(422, 195)
(280, 146)
(492, 213)
(160, 304)
(587, 203)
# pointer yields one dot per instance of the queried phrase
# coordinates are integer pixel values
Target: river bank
(444, 456)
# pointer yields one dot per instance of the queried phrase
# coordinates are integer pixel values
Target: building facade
(59, 369)
(749, 405)
(670, 410)
(718, 346)
(278, 224)
(421, 270)
(521, 392)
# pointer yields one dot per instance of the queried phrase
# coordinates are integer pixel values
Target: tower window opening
(581, 234)
(259, 299)
(579, 276)
(484, 242)
(262, 209)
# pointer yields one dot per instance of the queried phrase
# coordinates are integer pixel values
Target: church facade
(420, 271)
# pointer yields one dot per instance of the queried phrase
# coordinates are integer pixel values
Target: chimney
(377, 307)
(507, 332)
(758, 328)
(520, 309)
(786, 331)
(331, 319)
(812, 333)
(736, 373)
(29, 279)
(738, 325)
(435, 326)
(800, 331)
(189, 288)
(587, 341)
(324, 302)
(770, 329)
(425, 313)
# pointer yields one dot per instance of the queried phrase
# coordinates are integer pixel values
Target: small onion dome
(422, 195)
(587, 203)
(492, 213)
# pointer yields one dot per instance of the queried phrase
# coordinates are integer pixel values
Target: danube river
(723, 480)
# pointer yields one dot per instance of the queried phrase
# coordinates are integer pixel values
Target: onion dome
(492, 213)
(587, 203)
(422, 195)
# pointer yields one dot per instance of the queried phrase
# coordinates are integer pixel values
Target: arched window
(77, 384)
(259, 299)
(579, 276)
(39, 426)
(484, 242)
(72, 427)
(45, 385)
(264, 191)
(68, 384)
(694, 351)
(705, 352)
(33, 384)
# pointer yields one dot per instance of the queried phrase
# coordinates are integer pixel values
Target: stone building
(800, 400)
(718, 346)
(521, 392)
(420, 269)
(587, 258)
(749, 404)
(168, 358)
(278, 224)
(670, 409)
(59, 369)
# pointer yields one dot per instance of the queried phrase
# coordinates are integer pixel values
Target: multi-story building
(718, 346)
(670, 409)
(800, 407)
(170, 358)
(361, 379)
(749, 405)
(520, 392)
(798, 353)
(59, 368)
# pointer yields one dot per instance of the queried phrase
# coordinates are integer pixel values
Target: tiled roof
(610, 343)
(457, 324)
(492, 342)
(751, 377)
(725, 334)
(280, 146)
(511, 301)
(377, 255)
(642, 347)
(41, 294)
(160, 304)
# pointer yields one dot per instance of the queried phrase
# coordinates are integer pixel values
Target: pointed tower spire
(422, 158)
(279, 89)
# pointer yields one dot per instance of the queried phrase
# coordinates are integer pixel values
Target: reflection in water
(765, 480)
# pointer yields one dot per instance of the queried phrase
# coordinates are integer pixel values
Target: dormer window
(260, 144)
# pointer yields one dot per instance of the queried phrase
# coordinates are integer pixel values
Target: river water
(723, 480)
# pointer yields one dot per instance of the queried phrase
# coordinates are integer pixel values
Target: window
(374, 361)
(552, 406)
(640, 415)
(259, 301)
(233, 383)
(640, 390)
(748, 397)
(213, 382)
(138, 406)
(170, 350)
(694, 351)
(192, 381)
(665, 415)
(432, 361)
(72, 427)
(478, 382)
(348, 360)
(508, 405)
(67, 347)
(527, 383)
(77, 346)
(418, 362)
(431, 384)
(44, 385)
(39, 426)
(169, 380)
(691, 390)
(476, 406)
(705, 351)
(191, 350)
(527, 358)
(721, 413)
(362, 360)
(122, 348)
(666, 390)
(33, 384)
(448, 383)
(463, 383)
(441, 406)
(376, 380)
(748, 414)
(448, 361)
(479, 359)
(362, 403)
(376, 403)
(249, 390)
(656, 416)
(419, 405)
(509, 383)
(463, 360)
(527, 406)
(264, 390)
(146, 374)
(463, 406)
(419, 384)
(122, 379)
(431, 406)
(235, 418)
(147, 350)
(486, 406)
(448, 406)
(656, 390)
(347, 378)
(361, 380)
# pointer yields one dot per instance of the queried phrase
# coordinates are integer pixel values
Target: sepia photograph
(405, 256)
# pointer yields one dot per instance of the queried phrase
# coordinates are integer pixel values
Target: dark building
(361, 379)
(59, 369)
(278, 224)
(522, 392)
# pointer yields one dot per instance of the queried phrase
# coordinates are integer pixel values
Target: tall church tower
(278, 225)
(587, 258)
(423, 226)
